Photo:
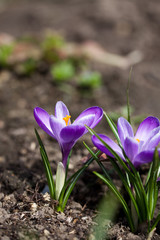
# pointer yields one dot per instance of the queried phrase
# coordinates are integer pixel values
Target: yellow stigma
(66, 119)
(137, 140)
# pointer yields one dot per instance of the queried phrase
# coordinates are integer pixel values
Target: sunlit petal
(124, 129)
(61, 110)
(85, 120)
(153, 141)
(56, 126)
(146, 127)
(96, 111)
(42, 118)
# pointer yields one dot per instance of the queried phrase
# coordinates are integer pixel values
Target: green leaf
(71, 183)
(120, 198)
(97, 160)
(113, 128)
(68, 160)
(141, 197)
(148, 176)
(139, 200)
(127, 93)
(155, 222)
(152, 187)
(47, 167)
(127, 184)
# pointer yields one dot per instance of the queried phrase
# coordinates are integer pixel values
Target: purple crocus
(60, 127)
(139, 148)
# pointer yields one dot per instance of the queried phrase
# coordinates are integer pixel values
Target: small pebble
(5, 238)
(46, 232)
(33, 146)
(69, 219)
(2, 124)
(1, 196)
(61, 217)
(72, 232)
(75, 220)
(33, 207)
(47, 197)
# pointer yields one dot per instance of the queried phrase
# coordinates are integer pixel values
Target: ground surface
(119, 27)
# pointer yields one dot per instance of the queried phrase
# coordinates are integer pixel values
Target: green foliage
(28, 67)
(62, 71)
(5, 52)
(52, 41)
(47, 167)
(89, 79)
(69, 183)
(50, 45)
(143, 197)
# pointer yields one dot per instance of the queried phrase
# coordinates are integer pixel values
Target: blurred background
(80, 52)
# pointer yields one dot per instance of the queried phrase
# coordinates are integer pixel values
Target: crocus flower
(139, 148)
(59, 126)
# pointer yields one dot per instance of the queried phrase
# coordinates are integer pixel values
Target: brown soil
(119, 27)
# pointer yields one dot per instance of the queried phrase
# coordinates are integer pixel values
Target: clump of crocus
(126, 156)
(60, 127)
(139, 148)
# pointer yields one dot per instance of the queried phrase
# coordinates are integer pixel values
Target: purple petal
(96, 111)
(65, 153)
(71, 133)
(87, 120)
(56, 126)
(153, 140)
(42, 118)
(110, 142)
(124, 129)
(143, 157)
(158, 179)
(61, 110)
(131, 148)
(146, 127)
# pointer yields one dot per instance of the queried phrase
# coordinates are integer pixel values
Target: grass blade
(155, 222)
(73, 181)
(113, 128)
(97, 160)
(127, 93)
(152, 192)
(119, 197)
(47, 167)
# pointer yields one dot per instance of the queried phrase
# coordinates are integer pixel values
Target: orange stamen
(137, 140)
(66, 119)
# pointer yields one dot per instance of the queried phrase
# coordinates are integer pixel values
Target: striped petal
(95, 112)
(71, 133)
(43, 120)
(61, 110)
(110, 142)
(143, 157)
(146, 127)
(131, 148)
(124, 129)
(56, 126)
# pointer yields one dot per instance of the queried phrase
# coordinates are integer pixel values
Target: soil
(120, 27)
